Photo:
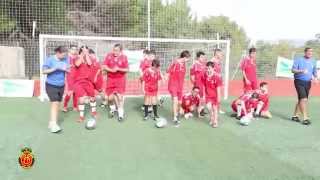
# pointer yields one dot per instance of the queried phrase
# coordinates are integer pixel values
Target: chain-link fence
(21, 22)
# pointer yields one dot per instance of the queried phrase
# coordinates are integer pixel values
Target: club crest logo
(26, 158)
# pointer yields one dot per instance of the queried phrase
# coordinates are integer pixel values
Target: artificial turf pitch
(266, 149)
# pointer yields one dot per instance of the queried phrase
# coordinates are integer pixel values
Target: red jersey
(249, 67)
(112, 61)
(70, 75)
(211, 84)
(151, 78)
(264, 97)
(145, 64)
(197, 70)
(95, 68)
(177, 73)
(189, 100)
(248, 101)
(82, 73)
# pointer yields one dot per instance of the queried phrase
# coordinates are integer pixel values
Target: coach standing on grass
(55, 68)
(305, 70)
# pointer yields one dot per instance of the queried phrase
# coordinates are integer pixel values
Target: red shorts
(151, 93)
(84, 88)
(186, 109)
(250, 87)
(212, 100)
(115, 85)
(98, 85)
(176, 94)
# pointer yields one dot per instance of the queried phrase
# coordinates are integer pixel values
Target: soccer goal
(167, 50)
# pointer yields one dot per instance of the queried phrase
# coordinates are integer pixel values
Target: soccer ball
(245, 120)
(161, 122)
(91, 124)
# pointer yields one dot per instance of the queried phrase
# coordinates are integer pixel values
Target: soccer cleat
(238, 117)
(65, 109)
(75, 109)
(295, 118)
(54, 128)
(306, 122)
(155, 118)
(145, 118)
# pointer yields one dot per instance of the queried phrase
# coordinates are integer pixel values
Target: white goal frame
(42, 49)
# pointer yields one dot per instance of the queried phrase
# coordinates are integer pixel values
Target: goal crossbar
(42, 53)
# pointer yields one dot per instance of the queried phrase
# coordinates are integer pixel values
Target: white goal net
(166, 49)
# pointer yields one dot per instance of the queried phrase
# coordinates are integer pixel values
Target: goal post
(167, 49)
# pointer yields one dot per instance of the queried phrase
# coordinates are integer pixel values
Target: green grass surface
(267, 149)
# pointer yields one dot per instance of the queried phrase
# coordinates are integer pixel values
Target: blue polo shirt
(56, 78)
(302, 63)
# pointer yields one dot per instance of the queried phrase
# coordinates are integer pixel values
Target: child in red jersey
(245, 104)
(176, 74)
(190, 103)
(249, 71)
(116, 65)
(73, 55)
(263, 105)
(151, 77)
(96, 76)
(217, 60)
(212, 83)
(197, 70)
(83, 86)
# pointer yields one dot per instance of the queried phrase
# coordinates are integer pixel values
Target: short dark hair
(210, 64)
(255, 95)
(145, 51)
(195, 87)
(185, 54)
(307, 49)
(155, 63)
(252, 50)
(152, 51)
(263, 84)
(118, 45)
(80, 50)
(91, 51)
(216, 50)
(200, 53)
(60, 49)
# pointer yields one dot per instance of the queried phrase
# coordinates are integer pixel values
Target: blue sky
(266, 19)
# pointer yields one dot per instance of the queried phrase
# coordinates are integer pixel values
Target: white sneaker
(54, 128)
(188, 115)
(221, 112)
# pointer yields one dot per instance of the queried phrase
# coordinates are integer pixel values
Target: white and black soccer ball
(91, 124)
(245, 120)
(161, 122)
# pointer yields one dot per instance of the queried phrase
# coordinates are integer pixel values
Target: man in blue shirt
(55, 68)
(305, 70)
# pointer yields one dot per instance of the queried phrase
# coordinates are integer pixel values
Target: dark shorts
(302, 88)
(55, 93)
